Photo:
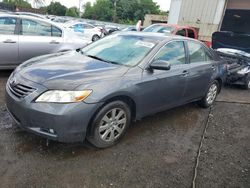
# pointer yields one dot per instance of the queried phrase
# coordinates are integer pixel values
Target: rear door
(8, 41)
(38, 38)
(201, 70)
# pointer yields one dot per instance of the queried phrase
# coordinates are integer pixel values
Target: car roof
(174, 25)
(33, 18)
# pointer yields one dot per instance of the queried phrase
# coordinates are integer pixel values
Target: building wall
(238, 4)
(150, 18)
(203, 14)
(174, 12)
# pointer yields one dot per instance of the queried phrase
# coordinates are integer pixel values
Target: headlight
(57, 96)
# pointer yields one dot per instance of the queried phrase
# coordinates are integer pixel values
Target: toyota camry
(96, 92)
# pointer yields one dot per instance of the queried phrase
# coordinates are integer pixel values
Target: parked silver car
(23, 37)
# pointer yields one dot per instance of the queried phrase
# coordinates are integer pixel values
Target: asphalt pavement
(183, 147)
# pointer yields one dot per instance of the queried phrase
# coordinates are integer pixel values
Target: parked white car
(84, 29)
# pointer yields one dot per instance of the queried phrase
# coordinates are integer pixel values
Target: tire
(110, 124)
(95, 38)
(247, 82)
(211, 94)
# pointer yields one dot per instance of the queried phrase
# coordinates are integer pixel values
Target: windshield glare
(120, 49)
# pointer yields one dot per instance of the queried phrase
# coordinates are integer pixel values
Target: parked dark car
(97, 92)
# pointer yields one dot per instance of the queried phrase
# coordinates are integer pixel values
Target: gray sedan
(23, 37)
(97, 92)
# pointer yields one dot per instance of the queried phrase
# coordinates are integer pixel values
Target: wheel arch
(124, 98)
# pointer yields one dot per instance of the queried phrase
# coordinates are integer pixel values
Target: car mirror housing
(160, 65)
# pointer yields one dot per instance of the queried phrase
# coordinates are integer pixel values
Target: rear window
(191, 33)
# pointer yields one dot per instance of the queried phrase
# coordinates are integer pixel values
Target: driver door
(166, 88)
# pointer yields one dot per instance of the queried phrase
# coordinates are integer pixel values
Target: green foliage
(73, 12)
(18, 3)
(126, 11)
(101, 10)
(55, 8)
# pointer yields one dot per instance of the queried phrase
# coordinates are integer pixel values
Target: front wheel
(211, 95)
(95, 38)
(110, 124)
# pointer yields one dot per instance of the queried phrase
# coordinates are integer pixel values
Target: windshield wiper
(98, 58)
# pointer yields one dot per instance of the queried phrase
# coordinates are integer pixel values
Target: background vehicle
(23, 37)
(107, 84)
(184, 31)
(234, 49)
(84, 29)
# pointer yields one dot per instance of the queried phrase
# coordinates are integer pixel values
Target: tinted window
(181, 32)
(196, 52)
(173, 52)
(7, 25)
(86, 26)
(56, 32)
(191, 33)
(35, 28)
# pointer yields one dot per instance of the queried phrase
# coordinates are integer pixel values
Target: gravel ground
(159, 151)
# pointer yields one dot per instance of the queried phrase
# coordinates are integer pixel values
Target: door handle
(54, 42)
(185, 73)
(9, 41)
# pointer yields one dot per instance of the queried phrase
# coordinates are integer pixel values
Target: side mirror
(160, 65)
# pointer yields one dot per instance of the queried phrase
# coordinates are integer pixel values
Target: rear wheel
(247, 82)
(110, 124)
(211, 95)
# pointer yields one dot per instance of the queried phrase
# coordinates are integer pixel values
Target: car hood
(68, 70)
(226, 39)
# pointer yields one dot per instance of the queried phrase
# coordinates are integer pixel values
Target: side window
(191, 33)
(56, 32)
(181, 32)
(7, 25)
(196, 52)
(173, 52)
(86, 26)
(35, 28)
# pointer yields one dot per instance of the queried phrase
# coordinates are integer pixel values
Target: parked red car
(185, 31)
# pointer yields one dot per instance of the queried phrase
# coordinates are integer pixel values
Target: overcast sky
(164, 4)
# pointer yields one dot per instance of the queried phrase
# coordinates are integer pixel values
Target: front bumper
(61, 122)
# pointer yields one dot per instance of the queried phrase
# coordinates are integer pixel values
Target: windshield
(159, 29)
(126, 50)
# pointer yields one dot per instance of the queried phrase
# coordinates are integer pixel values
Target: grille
(20, 90)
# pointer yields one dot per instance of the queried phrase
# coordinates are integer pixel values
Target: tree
(123, 11)
(55, 8)
(101, 10)
(73, 12)
(18, 3)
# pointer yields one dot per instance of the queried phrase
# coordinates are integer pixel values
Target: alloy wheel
(212, 93)
(112, 124)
